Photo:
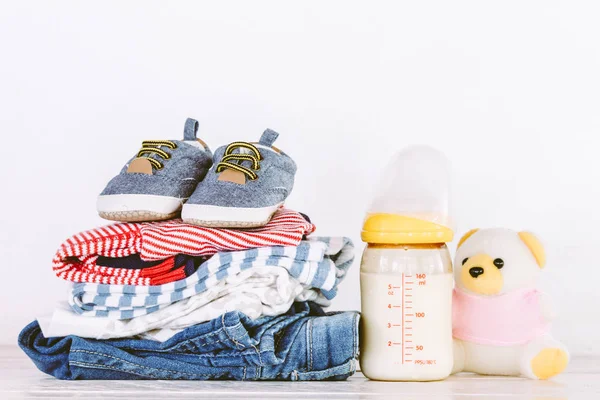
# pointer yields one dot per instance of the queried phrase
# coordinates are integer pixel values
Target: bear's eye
(499, 263)
(465, 260)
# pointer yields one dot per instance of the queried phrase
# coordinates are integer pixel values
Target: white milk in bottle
(406, 272)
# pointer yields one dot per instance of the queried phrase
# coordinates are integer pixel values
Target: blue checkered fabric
(319, 263)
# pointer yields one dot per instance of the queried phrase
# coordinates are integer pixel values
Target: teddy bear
(500, 320)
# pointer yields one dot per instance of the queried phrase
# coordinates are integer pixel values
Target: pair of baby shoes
(241, 186)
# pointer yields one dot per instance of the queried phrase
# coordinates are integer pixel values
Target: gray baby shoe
(247, 183)
(155, 183)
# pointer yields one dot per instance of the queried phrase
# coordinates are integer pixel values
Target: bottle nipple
(411, 204)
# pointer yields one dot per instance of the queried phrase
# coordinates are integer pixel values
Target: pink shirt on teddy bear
(503, 320)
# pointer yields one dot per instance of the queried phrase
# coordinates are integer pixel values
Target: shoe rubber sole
(138, 207)
(227, 217)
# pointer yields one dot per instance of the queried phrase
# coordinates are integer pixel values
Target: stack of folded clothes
(206, 275)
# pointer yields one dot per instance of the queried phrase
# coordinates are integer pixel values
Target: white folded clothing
(256, 292)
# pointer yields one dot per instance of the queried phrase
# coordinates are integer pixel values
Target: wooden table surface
(20, 379)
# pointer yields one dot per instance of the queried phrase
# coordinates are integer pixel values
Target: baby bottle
(406, 271)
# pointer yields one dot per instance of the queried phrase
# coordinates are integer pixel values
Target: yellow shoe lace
(153, 147)
(254, 157)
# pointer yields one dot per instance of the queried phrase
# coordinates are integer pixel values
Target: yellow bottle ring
(399, 229)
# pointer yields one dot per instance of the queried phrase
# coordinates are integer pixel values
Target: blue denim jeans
(302, 344)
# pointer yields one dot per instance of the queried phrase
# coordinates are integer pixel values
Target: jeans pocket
(228, 336)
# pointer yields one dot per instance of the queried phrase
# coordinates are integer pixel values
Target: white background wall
(510, 91)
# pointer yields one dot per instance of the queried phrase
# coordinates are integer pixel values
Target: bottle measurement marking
(407, 353)
(403, 285)
(408, 316)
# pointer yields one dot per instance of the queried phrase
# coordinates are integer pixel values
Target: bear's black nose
(475, 271)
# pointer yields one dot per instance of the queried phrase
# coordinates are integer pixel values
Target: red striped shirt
(75, 260)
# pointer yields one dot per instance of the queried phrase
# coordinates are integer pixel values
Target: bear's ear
(535, 246)
(466, 236)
